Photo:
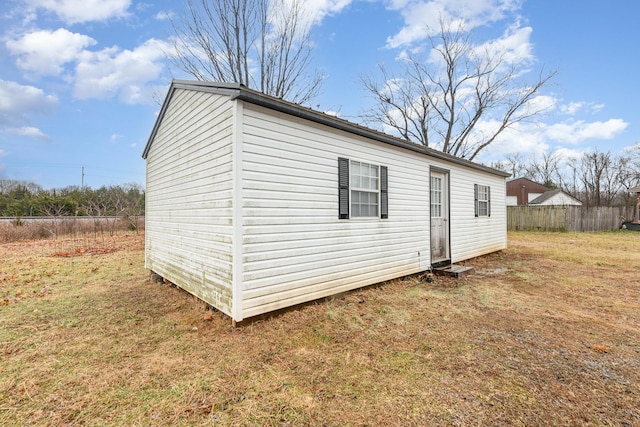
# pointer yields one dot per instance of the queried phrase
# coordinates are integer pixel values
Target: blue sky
(81, 81)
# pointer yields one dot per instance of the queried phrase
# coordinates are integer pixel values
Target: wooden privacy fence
(568, 218)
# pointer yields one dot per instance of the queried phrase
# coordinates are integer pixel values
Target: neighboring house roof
(242, 93)
(522, 179)
(635, 189)
(526, 181)
(522, 188)
(550, 195)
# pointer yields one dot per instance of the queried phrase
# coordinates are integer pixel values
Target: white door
(439, 196)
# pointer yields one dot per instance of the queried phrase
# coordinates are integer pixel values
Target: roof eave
(306, 113)
(202, 86)
(240, 92)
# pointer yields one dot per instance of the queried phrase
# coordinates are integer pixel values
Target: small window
(482, 200)
(362, 190)
(364, 180)
(436, 197)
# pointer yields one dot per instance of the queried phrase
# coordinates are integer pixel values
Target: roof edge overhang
(239, 92)
(549, 195)
(346, 126)
(219, 88)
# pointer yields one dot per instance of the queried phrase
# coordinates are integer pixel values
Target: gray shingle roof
(548, 195)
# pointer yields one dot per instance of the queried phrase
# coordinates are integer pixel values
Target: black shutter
(475, 198)
(488, 201)
(343, 188)
(384, 193)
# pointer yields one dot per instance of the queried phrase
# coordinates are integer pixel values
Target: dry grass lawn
(546, 332)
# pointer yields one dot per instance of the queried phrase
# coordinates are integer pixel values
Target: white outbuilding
(555, 197)
(255, 204)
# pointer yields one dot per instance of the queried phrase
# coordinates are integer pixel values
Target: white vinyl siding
(296, 248)
(189, 197)
(473, 236)
(245, 207)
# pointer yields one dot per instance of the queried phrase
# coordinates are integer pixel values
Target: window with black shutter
(362, 190)
(482, 200)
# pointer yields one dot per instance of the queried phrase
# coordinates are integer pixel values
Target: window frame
(436, 197)
(367, 195)
(347, 188)
(482, 200)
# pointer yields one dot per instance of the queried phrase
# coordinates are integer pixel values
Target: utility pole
(82, 177)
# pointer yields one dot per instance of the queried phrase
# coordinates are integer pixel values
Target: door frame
(446, 215)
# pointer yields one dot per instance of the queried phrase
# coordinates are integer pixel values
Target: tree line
(596, 178)
(23, 199)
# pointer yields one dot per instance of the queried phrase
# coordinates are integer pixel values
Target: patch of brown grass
(65, 227)
(546, 332)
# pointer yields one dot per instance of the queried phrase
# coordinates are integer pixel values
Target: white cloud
(101, 74)
(319, 9)
(115, 137)
(568, 153)
(29, 132)
(572, 108)
(421, 16)
(123, 73)
(78, 11)
(514, 47)
(578, 131)
(634, 148)
(17, 101)
(313, 11)
(524, 138)
(537, 138)
(418, 18)
(164, 16)
(45, 52)
(541, 104)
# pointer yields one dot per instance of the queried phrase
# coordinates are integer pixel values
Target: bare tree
(117, 202)
(628, 164)
(8, 185)
(513, 163)
(570, 181)
(441, 102)
(599, 177)
(596, 178)
(546, 170)
(133, 212)
(262, 44)
(96, 209)
(54, 209)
